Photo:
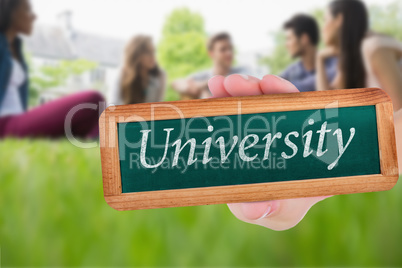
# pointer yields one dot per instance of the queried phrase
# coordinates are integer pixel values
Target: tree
(387, 19)
(182, 49)
(51, 76)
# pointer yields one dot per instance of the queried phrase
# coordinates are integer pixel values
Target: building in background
(51, 44)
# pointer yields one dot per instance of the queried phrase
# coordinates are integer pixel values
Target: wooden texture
(247, 105)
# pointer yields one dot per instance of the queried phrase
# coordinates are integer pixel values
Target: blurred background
(51, 201)
(79, 45)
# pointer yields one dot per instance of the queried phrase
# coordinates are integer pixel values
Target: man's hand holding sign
(239, 150)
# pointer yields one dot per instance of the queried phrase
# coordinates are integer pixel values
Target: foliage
(180, 57)
(182, 20)
(182, 49)
(55, 75)
(383, 19)
(53, 214)
(387, 19)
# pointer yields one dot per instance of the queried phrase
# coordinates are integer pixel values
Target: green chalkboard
(348, 138)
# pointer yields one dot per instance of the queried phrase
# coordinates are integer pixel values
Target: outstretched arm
(388, 72)
(190, 87)
(276, 214)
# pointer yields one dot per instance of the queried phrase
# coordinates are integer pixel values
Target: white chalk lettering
(342, 149)
(223, 148)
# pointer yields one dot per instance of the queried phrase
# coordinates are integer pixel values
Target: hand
(192, 88)
(186, 86)
(327, 52)
(278, 214)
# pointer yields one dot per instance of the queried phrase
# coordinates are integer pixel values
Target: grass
(52, 213)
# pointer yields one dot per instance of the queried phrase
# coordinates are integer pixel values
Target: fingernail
(287, 81)
(267, 213)
(246, 77)
(280, 78)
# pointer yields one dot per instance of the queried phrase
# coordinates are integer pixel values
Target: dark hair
(216, 38)
(7, 8)
(304, 24)
(353, 31)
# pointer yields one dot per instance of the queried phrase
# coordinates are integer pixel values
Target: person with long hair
(16, 18)
(141, 79)
(366, 58)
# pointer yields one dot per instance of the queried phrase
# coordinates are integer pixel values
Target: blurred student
(366, 59)
(141, 79)
(221, 51)
(17, 17)
(302, 38)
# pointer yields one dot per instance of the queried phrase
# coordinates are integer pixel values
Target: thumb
(277, 215)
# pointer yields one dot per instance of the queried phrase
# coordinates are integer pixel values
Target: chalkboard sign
(244, 149)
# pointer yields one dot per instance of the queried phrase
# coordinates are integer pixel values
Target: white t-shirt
(12, 104)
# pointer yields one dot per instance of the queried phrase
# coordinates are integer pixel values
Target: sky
(249, 21)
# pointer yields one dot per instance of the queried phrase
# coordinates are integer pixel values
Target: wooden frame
(249, 192)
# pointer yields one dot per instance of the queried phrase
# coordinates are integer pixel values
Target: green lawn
(52, 213)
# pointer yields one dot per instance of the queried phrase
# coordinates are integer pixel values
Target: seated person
(141, 79)
(221, 51)
(302, 38)
(367, 58)
(48, 120)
